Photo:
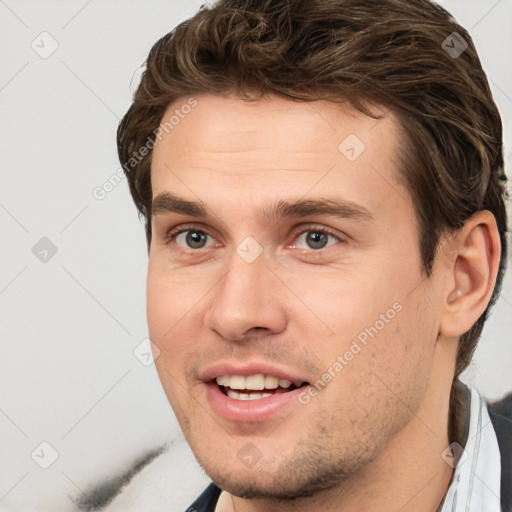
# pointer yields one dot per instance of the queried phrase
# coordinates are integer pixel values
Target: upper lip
(253, 368)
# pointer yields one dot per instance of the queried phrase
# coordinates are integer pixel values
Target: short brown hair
(391, 52)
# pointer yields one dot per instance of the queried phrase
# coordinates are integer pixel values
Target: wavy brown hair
(389, 52)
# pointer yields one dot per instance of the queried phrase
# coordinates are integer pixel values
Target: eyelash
(172, 234)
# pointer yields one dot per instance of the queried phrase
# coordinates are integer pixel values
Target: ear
(473, 255)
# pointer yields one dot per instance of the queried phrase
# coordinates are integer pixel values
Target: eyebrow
(168, 203)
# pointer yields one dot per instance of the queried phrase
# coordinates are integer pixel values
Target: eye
(316, 238)
(188, 238)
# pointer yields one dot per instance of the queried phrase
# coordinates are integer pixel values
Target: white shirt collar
(225, 503)
(475, 483)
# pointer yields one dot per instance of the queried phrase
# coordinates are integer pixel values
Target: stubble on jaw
(320, 463)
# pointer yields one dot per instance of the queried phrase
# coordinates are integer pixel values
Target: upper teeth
(256, 382)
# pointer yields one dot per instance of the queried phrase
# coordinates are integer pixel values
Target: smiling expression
(281, 232)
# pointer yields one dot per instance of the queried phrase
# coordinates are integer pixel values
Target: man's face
(251, 287)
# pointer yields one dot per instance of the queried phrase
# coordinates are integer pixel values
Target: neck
(409, 475)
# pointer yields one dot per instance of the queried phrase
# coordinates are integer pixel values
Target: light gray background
(69, 326)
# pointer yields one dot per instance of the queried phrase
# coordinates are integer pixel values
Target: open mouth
(255, 387)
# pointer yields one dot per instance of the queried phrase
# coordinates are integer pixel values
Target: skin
(374, 435)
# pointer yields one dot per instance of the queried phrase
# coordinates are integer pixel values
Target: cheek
(174, 317)
(381, 329)
(164, 311)
(159, 314)
(342, 305)
(402, 353)
(160, 319)
(166, 317)
(167, 301)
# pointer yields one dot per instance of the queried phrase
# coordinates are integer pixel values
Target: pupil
(315, 239)
(196, 239)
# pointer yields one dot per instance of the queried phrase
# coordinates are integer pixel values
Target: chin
(280, 484)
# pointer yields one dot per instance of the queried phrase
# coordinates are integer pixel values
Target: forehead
(230, 124)
(275, 148)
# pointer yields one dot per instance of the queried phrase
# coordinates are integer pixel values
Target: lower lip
(249, 411)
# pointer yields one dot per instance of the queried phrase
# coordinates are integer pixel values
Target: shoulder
(207, 501)
(164, 479)
(500, 412)
(501, 407)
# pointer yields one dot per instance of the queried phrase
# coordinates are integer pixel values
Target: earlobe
(474, 260)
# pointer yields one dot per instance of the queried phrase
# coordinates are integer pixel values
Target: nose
(249, 299)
